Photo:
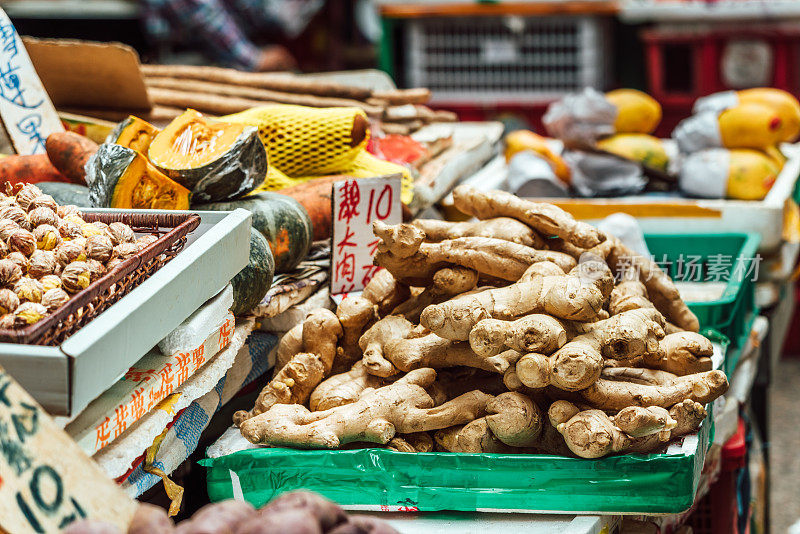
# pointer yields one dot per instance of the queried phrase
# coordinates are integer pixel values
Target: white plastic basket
(510, 59)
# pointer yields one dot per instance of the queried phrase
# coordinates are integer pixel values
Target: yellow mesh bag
(304, 141)
(364, 166)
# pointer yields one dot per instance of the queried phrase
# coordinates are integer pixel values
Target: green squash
(66, 194)
(281, 219)
(253, 282)
(133, 133)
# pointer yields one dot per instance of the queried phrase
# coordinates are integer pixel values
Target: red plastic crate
(686, 64)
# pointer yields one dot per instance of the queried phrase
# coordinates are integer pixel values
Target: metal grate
(507, 59)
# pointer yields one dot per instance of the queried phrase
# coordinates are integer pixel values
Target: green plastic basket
(698, 258)
(385, 480)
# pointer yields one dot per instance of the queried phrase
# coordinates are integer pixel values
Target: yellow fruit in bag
(304, 141)
(750, 126)
(520, 140)
(751, 174)
(783, 103)
(637, 112)
(643, 148)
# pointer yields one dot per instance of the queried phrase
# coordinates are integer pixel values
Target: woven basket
(87, 304)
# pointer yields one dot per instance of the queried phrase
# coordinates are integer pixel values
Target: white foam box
(66, 378)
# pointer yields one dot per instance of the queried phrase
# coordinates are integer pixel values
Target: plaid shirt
(211, 24)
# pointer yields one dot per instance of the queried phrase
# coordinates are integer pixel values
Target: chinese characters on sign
(26, 110)
(356, 205)
(46, 482)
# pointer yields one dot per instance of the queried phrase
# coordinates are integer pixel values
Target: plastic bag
(530, 175)
(626, 228)
(705, 174)
(698, 132)
(716, 103)
(581, 119)
(597, 175)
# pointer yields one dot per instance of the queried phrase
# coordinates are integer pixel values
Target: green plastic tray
(380, 479)
(734, 311)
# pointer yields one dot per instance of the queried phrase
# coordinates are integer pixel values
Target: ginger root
(594, 434)
(374, 340)
(570, 296)
(447, 283)
(682, 353)
(385, 292)
(402, 407)
(514, 419)
(353, 313)
(290, 344)
(578, 364)
(403, 252)
(343, 388)
(473, 437)
(614, 395)
(292, 385)
(503, 228)
(436, 352)
(532, 333)
(321, 333)
(416, 442)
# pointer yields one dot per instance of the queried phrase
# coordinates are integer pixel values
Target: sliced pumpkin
(215, 160)
(123, 178)
(133, 133)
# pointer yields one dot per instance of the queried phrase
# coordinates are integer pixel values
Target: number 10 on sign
(356, 205)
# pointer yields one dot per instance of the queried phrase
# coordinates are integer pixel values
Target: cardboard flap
(87, 74)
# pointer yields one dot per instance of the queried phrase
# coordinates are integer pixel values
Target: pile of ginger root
(523, 332)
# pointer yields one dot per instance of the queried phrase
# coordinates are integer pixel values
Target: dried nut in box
(96, 269)
(22, 241)
(69, 251)
(114, 263)
(16, 214)
(7, 227)
(29, 313)
(125, 250)
(89, 229)
(54, 298)
(10, 273)
(9, 301)
(28, 289)
(42, 263)
(27, 194)
(75, 218)
(20, 259)
(99, 247)
(43, 201)
(7, 321)
(69, 230)
(3, 249)
(146, 240)
(50, 281)
(68, 209)
(120, 233)
(47, 237)
(75, 277)
(41, 216)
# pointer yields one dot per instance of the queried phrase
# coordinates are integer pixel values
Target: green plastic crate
(733, 312)
(385, 480)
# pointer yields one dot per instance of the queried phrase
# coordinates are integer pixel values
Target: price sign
(26, 110)
(356, 205)
(46, 481)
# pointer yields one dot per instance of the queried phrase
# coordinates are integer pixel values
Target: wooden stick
(276, 82)
(397, 97)
(256, 93)
(220, 105)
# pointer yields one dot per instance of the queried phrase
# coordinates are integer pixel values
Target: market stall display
(549, 327)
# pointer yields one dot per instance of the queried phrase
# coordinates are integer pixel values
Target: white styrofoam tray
(64, 379)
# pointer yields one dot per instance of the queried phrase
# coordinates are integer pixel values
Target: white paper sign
(356, 205)
(26, 110)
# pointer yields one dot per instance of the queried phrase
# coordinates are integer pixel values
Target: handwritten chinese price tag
(356, 205)
(46, 481)
(26, 110)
